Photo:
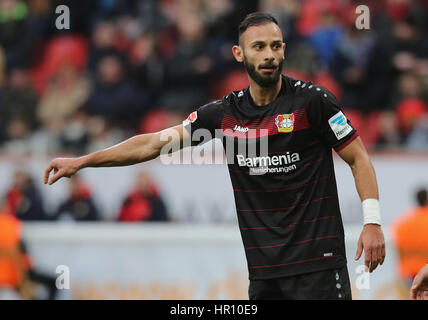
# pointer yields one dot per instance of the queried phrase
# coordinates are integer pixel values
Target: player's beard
(264, 81)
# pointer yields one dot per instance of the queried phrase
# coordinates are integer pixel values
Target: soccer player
(286, 199)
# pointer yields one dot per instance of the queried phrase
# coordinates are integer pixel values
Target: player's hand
(419, 290)
(373, 243)
(62, 167)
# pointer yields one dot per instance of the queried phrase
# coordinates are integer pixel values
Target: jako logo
(240, 129)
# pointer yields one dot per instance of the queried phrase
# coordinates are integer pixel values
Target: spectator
(188, 70)
(2, 68)
(19, 101)
(286, 13)
(17, 271)
(103, 43)
(23, 200)
(389, 137)
(328, 34)
(411, 238)
(79, 206)
(15, 34)
(349, 64)
(13, 265)
(19, 142)
(101, 134)
(113, 96)
(143, 203)
(66, 93)
(418, 137)
(146, 67)
(75, 136)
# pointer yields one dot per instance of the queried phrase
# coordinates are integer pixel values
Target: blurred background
(127, 67)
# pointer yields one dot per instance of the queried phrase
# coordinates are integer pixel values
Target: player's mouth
(268, 68)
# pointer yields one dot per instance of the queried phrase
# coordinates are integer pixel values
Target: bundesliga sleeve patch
(191, 118)
(339, 125)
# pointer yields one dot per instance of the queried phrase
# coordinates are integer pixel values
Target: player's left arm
(371, 239)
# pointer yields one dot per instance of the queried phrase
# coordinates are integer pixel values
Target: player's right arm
(139, 148)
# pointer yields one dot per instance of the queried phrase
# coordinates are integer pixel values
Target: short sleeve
(204, 122)
(329, 121)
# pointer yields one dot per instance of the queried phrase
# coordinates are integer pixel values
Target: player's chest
(285, 124)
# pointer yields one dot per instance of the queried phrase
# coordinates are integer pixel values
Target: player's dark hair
(422, 197)
(255, 19)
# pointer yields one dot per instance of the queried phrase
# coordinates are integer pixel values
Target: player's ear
(238, 53)
(283, 48)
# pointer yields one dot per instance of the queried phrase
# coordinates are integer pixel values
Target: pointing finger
(359, 250)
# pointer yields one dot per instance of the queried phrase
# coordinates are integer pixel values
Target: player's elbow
(360, 160)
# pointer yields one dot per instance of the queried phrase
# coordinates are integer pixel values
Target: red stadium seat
(408, 111)
(158, 120)
(367, 126)
(324, 78)
(372, 129)
(296, 74)
(355, 117)
(235, 80)
(59, 51)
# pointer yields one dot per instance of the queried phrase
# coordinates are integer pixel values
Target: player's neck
(262, 95)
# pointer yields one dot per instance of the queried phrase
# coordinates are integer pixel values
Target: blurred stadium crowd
(136, 66)
(129, 66)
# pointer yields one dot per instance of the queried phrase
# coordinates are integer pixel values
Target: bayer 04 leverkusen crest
(285, 122)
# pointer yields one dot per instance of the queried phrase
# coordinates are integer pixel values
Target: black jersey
(286, 196)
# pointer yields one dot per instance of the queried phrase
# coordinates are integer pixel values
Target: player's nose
(269, 56)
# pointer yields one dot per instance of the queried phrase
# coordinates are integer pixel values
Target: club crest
(285, 122)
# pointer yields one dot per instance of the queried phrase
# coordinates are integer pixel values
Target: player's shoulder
(212, 106)
(234, 98)
(309, 90)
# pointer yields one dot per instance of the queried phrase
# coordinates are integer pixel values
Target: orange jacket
(410, 234)
(11, 262)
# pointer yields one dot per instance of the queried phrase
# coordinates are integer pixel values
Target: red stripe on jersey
(312, 162)
(296, 149)
(256, 128)
(347, 142)
(289, 225)
(300, 120)
(293, 262)
(280, 209)
(285, 189)
(294, 243)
